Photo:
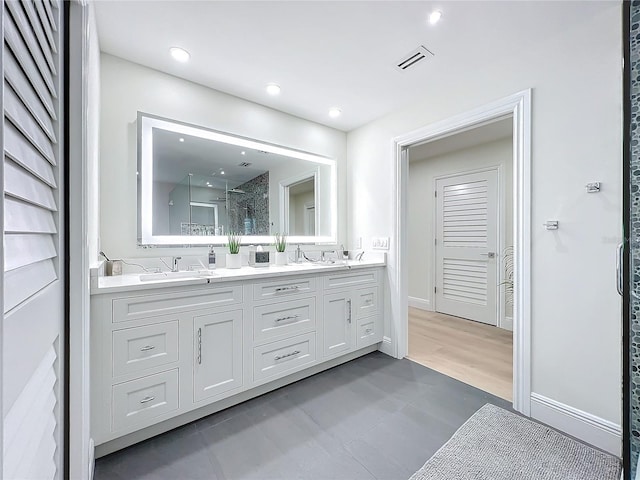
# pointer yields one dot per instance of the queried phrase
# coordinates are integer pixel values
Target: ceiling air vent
(244, 164)
(412, 58)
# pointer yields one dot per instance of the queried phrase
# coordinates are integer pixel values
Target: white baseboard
(386, 347)
(594, 430)
(420, 303)
(507, 323)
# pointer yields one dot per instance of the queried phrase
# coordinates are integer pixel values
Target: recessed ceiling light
(221, 172)
(182, 139)
(334, 112)
(179, 54)
(243, 153)
(435, 16)
(273, 89)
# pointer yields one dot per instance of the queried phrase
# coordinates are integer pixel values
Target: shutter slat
(46, 26)
(24, 59)
(30, 10)
(20, 184)
(24, 121)
(20, 150)
(50, 17)
(21, 250)
(22, 23)
(21, 217)
(16, 78)
(32, 411)
(22, 283)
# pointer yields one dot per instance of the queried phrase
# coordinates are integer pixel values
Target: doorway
(518, 108)
(459, 224)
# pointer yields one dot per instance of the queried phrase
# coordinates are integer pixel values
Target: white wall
(576, 79)
(128, 88)
(421, 204)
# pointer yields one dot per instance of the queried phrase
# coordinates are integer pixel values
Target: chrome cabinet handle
(349, 311)
(200, 346)
(290, 317)
(287, 289)
(368, 330)
(489, 254)
(147, 399)
(368, 301)
(280, 357)
(619, 260)
(146, 348)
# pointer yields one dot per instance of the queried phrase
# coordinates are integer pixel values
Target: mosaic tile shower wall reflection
(634, 39)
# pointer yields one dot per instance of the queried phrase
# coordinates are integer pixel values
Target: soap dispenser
(212, 258)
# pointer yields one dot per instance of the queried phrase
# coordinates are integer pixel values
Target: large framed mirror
(197, 185)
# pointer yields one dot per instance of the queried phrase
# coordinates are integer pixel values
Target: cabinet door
(338, 337)
(217, 353)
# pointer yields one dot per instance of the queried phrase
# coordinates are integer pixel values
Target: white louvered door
(466, 244)
(33, 293)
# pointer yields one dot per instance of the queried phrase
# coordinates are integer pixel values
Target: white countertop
(129, 282)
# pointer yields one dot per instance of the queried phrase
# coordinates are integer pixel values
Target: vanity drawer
(350, 279)
(284, 319)
(133, 308)
(144, 399)
(283, 288)
(139, 348)
(278, 358)
(369, 331)
(365, 301)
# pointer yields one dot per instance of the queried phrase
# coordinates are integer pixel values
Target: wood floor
(474, 353)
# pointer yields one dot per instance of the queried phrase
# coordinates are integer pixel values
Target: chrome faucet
(174, 263)
(359, 256)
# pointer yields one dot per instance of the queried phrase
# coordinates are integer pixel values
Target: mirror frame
(146, 124)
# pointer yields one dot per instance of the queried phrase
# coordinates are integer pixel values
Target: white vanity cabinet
(217, 359)
(163, 355)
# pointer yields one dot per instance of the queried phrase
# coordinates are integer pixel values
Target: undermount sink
(149, 277)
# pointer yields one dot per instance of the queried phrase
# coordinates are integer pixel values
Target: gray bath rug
(495, 444)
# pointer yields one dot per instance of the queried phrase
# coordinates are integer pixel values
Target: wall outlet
(380, 243)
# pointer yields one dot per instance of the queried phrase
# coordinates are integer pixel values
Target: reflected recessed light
(182, 139)
(209, 185)
(334, 112)
(435, 16)
(221, 172)
(273, 89)
(243, 153)
(179, 54)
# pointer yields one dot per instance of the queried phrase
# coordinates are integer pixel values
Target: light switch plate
(380, 243)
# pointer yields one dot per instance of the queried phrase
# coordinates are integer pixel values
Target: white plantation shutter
(33, 299)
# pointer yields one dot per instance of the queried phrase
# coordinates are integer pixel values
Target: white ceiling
(467, 139)
(326, 53)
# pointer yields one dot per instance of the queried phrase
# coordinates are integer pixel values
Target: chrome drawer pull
(280, 357)
(199, 346)
(290, 317)
(349, 311)
(287, 289)
(147, 399)
(368, 302)
(146, 348)
(368, 330)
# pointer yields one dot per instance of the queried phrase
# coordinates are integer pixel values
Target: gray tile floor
(372, 418)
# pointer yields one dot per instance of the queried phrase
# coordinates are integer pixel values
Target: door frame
(517, 107)
(501, 237)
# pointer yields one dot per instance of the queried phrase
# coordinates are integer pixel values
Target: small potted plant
(280, 241)
(234, 260)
